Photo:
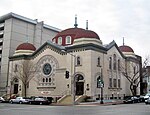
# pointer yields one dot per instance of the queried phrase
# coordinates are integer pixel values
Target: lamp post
(72, 76)
(101, 87)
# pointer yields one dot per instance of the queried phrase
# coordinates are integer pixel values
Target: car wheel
(41, 103)
(11, 102)
(20, 102)
(30, 102)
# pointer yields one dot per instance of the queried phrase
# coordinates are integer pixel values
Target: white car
(19, 100)
(146, 96)
(2, 99)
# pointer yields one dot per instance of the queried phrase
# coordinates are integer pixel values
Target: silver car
(147, 101)
(2, 99)
(146, 96)
(19, 100)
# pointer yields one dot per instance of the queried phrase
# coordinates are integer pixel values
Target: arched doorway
(79, 84)
(15, 86)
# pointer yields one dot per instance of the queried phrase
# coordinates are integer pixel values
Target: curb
(89, 104)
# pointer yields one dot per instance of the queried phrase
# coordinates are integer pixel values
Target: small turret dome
(25, 49)
(26, 46)
(125, 48)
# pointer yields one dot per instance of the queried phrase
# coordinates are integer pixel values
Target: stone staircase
(67, 99)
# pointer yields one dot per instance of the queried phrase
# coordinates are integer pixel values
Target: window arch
(110, 62)
(59, 40)
(114, 61)
(68, 39)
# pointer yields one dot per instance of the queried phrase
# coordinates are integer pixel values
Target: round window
(47, 69)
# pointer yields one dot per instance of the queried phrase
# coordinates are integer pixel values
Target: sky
(110, 19)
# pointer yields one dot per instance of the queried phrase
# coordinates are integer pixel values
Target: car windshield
(41, 99)
(147, 94)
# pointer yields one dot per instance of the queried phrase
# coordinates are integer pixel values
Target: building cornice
(13, 15)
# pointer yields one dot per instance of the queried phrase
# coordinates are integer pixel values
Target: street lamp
(72, 76)
(101, 86)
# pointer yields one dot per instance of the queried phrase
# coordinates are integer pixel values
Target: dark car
(131, 99)
(40, 101)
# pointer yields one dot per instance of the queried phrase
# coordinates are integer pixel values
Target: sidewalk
(105, 102)
(96, 103)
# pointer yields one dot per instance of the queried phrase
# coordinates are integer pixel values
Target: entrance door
(79, 88)
(16, 84)
(15, 88)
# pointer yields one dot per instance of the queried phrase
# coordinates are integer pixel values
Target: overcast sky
(110, 19)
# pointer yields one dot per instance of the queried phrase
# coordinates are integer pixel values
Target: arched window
(114, 61)
(110, 62)
(119, 67)
(119, 83)
(68, 39)
(59, 40)
(115, 82)
(98, 61)
(110, 82)
(46, 79)
(49, 79)
(16, 68)
(43, 79)
(78, 60)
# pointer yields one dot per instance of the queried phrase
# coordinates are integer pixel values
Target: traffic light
(67, 74)
(100, 83)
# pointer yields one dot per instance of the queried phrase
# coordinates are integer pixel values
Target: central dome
(75, 33)
(78, 33)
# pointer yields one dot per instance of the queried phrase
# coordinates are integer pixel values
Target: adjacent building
(14, 30)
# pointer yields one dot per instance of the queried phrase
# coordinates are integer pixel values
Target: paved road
(122, 109)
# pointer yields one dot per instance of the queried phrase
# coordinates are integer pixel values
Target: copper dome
(125, 48)
(76, 33)
(26, 46)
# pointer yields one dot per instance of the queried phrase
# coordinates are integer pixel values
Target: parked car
(19, 100)
(147, 101)
(131, 99)
(2, 99)
(146, 96)
(40, 101)
(141, 98)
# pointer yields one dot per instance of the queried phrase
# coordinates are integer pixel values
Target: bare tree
(133, 73)
(25, 71)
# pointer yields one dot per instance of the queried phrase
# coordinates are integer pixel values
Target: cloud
(111, 19)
